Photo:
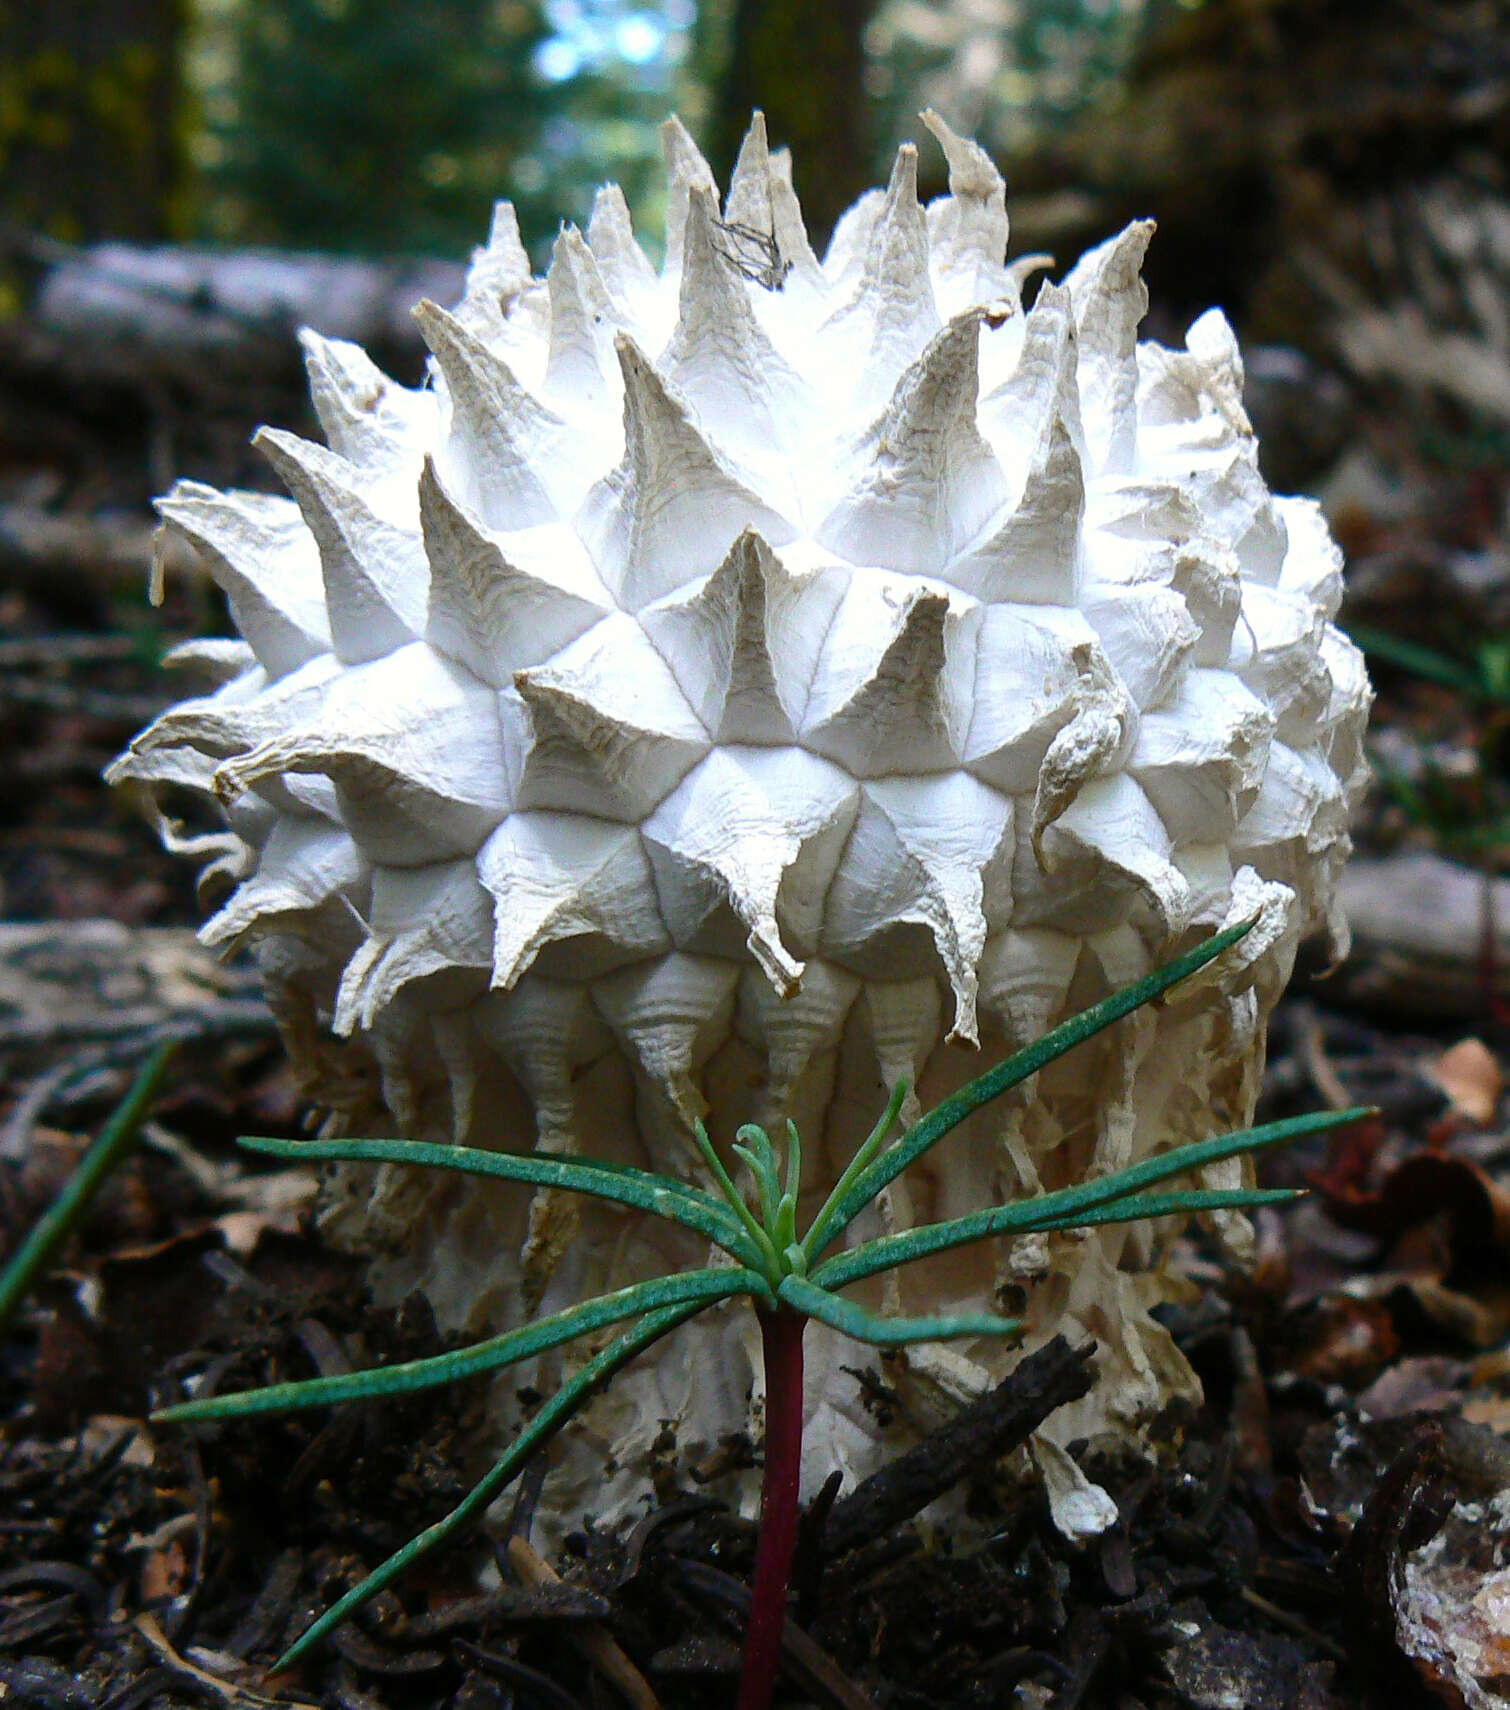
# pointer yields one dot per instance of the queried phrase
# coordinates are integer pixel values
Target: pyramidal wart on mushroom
(723, 691)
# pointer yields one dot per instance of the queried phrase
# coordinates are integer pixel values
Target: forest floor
(1330, 1529)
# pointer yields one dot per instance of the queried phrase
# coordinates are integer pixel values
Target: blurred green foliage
(364, 125)
(393, 125)
(1010, 72)
(91, 121)
(356, 124)
(1466, 808)
(390, 126)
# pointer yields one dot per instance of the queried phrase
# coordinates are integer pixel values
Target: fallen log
(1431, 938)
(76, 982)
(176, 313)
(114, 548)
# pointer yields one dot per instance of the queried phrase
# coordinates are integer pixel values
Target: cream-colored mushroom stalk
(721, 691)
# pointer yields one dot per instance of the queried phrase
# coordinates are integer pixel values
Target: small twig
(1312, 1043)
(37, 546)
(1285, 1618)
(672, 1513)
(807, 1571)
(801, 1653)
(189, 296)
(998, 1422)
(522, 1511)
(227, 1691)
(137, 1028)
(106, 704)
(1089, 1644)
(540, 1686)
(183, 1605)
(19, 652)
(270, 1608)
(602, 1649)
(554, 1600)
(15, 1134)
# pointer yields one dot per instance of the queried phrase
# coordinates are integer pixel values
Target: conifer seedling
(788, 1274)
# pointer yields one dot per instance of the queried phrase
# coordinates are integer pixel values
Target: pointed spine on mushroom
(719, 691)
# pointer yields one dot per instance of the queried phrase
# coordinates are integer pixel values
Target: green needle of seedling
(551, 1416)
(700, 1288)
(793, 1161)
(774, 1265)
(767, 1260)
(817, 1237)
(892, 1330)
(785, 1229)
(947, 1115)
(622, 1184)
(1068, 1207)
(753, 1144)
(1137, 1208)
(1424, 661)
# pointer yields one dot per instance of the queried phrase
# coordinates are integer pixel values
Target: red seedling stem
(781, 1345)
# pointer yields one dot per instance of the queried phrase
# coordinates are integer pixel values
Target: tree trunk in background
(804, 66)
(90, 116)
(1255, 130)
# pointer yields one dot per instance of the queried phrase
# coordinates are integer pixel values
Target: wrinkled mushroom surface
(723, 690)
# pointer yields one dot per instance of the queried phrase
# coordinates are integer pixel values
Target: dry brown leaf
(104, 1429)
(276, 1202)
(165, 1573)
(1339, 1338)
(1430, 1384)
(1471, 1076)
(1490, 1410)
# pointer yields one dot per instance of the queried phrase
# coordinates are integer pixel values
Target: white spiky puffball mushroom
(725, 690)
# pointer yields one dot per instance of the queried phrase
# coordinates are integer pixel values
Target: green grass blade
(115, 1142)
(1069, 1206)
(546, 1422)
(621, 1183)
(823, 1225)
(890, 1331)
(702, 1287)
(1423, 661)
(948, 1115)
